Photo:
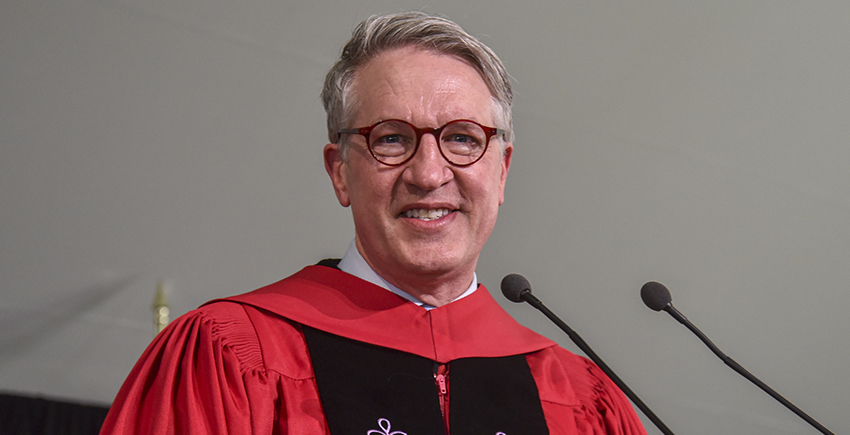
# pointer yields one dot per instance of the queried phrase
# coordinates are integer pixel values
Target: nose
(427, 170)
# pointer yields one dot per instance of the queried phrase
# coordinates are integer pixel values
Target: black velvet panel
(493, 395)
(366, 388)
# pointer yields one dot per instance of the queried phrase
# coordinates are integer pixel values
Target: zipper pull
(442, 380)
(441, 383)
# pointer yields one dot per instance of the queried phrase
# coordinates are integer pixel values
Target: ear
(505, 165)
(336, 168)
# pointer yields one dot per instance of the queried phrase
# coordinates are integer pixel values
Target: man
(397, 337)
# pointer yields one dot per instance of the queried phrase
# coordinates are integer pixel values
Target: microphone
(656, 296)
(515, 286)
(517, 289)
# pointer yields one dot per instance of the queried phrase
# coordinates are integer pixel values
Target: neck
(431, 288)
(435, 292)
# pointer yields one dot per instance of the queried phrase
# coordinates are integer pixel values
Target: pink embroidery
(385, 425)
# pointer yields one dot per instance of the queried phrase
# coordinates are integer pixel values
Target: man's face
(391, 205)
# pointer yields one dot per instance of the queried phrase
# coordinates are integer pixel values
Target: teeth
(427, 214)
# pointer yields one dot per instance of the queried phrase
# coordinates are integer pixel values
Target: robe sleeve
(202, 374)
(613, 410)
(579, 398)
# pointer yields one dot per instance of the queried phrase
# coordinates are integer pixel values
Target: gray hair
(380, 33)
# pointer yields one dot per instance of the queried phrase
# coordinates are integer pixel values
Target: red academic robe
(241, 366)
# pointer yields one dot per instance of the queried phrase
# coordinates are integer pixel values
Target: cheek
(485, 189)
(495, 194)
(496, 183)
(370, 188)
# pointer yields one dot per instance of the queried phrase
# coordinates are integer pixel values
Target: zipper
(441, 378)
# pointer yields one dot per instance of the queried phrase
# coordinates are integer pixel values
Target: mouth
(426, 214)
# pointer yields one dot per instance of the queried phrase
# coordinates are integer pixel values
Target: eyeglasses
(394, 142)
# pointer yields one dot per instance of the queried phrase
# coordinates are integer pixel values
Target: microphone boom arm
(536, 303)
(670, 309)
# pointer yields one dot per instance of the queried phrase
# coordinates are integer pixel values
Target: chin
(439, 262)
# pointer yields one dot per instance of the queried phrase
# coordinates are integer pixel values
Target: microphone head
(513, 287)
(655, 295)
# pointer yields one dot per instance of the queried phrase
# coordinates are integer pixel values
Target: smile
(427, 215)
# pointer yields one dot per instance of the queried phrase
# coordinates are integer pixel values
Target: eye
(392, 145)
(460, 138)
(389, 139)
(462, 143)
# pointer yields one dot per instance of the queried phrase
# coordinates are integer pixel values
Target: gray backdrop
(703, 145)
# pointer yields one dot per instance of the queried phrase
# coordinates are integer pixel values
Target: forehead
(419, 85)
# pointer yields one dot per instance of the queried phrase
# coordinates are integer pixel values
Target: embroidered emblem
(385, 425)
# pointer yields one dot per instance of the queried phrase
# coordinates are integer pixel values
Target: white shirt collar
(354, 264)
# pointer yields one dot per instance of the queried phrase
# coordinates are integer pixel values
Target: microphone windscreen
(513, 286)
(655, 295)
